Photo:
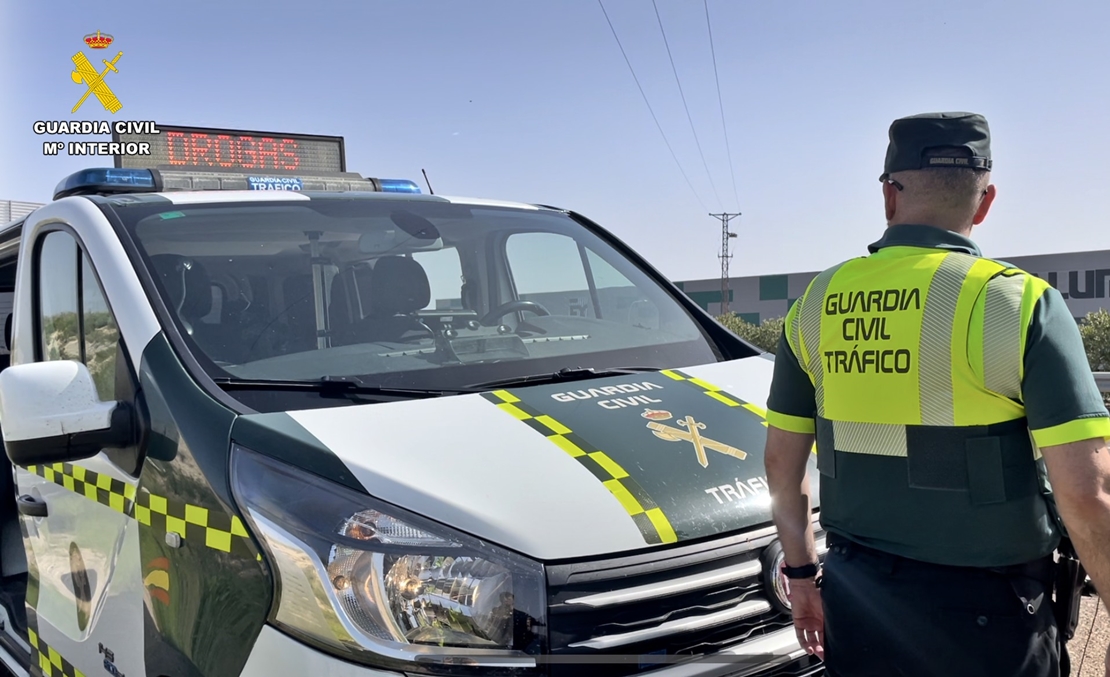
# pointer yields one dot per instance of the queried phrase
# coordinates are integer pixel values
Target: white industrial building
(1083, 278)
(10, 210)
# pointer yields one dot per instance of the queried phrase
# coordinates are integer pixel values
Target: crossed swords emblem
(689, 432)
(95, 81)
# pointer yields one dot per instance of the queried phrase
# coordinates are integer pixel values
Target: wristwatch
(806, 571)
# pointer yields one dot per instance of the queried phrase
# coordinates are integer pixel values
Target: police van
(351, 428)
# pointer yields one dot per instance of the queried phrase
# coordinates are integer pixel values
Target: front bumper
(764, 656)
(778, 653)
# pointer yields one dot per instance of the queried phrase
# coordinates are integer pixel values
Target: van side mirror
(50, 413)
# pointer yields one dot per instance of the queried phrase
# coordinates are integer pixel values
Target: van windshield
(403, 293)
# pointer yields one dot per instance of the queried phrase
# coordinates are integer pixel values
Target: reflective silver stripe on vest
(938, 316)
(1002, 354)
(880, 439)
(813, 307)
(795, 332)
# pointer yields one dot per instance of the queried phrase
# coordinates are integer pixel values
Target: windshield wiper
(334, 386)
(568, 374)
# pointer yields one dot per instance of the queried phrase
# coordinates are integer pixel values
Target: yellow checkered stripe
(212, 529)
(196, 525)
(45, 661)
(716, 393)
(645, 512)
(103, 489)
(720, 395)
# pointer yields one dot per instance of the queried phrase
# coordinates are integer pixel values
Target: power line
(728, 148)
(653, 117)
(681, 94)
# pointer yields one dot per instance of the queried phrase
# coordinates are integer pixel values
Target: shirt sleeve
(1062, 401)
(792, 403)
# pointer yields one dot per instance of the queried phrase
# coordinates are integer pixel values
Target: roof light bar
(196, 179)
(398, 186)
(101, 181)
(107, 180)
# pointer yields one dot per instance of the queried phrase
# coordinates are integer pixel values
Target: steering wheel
(512, 307)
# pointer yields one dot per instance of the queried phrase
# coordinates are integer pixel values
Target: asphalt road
(1093, 666)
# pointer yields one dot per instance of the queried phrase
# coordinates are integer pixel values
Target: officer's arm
(786, 456)
(1080, 477)
(1070, 425)
(790, 416)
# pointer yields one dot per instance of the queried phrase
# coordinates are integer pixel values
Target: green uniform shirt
(1060, 401)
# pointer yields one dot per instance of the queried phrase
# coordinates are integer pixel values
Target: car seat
(398, 288)
(350, 294)
(299, 313)
(189, 294)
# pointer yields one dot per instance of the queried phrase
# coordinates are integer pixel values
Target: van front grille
(687, 601)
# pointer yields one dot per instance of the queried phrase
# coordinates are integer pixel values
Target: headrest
(236, 291)
(398, 285)
(184, 279)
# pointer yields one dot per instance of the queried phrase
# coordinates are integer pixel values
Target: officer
(942, 389)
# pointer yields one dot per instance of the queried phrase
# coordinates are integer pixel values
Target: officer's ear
(984, 205)
(890, 198)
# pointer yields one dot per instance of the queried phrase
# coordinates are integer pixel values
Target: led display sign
(234, 150)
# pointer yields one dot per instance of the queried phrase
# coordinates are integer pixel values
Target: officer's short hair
(948, 189)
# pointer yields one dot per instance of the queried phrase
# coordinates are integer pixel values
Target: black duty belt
(1042, 569)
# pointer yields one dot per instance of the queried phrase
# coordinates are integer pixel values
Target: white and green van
(351, 429)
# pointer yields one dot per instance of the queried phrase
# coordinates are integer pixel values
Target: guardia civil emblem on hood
(689, 431)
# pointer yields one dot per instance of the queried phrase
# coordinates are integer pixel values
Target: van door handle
(31, 506)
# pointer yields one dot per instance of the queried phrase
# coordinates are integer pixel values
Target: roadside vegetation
(764, 335)
(1095, 330)
(62, 333)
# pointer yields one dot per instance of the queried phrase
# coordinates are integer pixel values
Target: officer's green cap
(928, 140)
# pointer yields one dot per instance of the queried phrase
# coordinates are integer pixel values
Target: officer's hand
(809, 616)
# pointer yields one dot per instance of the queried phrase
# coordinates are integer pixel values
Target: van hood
(565, 470)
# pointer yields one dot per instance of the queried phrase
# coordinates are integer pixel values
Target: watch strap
(805, 571)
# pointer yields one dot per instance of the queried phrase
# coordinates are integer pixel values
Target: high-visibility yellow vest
(916, 355)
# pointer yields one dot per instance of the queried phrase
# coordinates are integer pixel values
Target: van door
(85, 597)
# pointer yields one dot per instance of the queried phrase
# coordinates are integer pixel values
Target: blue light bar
(106, 180)
(398, 186)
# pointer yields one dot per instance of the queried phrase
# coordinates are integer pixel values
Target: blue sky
(532, 101)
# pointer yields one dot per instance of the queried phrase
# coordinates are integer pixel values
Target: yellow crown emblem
(98, 41)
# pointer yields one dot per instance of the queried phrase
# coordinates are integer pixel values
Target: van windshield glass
(403, 293)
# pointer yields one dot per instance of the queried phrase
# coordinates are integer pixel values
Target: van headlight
(380, 585)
